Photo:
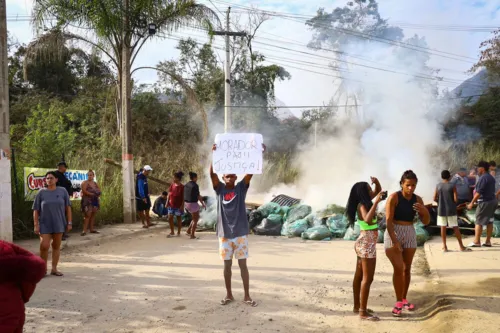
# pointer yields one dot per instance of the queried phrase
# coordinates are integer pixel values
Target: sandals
(253, 304)
(95, 232)
(226, 301)
(408, 306)
(370, 318)
(396, 312)
(474, 245)
(486, 245)
(56, 273)
(466, 249)
(369, 311)
(83, 234)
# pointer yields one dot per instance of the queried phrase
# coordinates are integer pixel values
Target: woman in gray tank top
(446, 197)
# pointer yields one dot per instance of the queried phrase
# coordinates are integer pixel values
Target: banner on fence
(34, 180)
(238, 153)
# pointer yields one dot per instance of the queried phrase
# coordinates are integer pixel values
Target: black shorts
(142, 206)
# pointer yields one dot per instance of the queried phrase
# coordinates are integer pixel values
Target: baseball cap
(148, 168)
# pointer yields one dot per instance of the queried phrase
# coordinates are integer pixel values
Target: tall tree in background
(490, 56)
(121, 29)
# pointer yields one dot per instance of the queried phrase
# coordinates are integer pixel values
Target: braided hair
(359, 195)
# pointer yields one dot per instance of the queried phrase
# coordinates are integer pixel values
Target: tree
(105, 19)
(121, 29)
(490, 56)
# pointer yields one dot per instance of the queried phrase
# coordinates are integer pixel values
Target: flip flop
(466, 250)
(95, 232)
(251, 303)
(370, 318)
(369, 311)
(474, 245)
(445, 250)
(170, 236)
(56, 273)
(226, 301)
(83, 234)
(145, 226)
(486, 245)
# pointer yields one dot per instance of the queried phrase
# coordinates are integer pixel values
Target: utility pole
(5, 182)
(127, 157)
(227, 86)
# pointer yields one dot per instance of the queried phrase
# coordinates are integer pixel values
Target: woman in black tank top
(400, 239)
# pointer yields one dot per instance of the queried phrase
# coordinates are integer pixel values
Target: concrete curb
(431, 262)
(109, 238)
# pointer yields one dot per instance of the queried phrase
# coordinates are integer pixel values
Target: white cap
(148, 168)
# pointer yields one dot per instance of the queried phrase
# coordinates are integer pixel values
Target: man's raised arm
(213, 175)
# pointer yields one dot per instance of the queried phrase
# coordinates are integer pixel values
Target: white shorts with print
(233, 246)
(447, 221)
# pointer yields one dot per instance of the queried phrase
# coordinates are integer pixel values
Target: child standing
(446, 196)
(176, 203)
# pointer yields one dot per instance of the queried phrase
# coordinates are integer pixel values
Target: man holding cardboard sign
(232, 223)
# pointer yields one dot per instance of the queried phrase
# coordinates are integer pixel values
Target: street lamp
(152, 29)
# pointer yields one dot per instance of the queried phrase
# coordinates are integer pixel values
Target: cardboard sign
(34, 180)
(238, 153)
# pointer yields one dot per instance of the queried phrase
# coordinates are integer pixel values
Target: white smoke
(398, 128)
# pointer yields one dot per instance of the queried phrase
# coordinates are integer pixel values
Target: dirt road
(153, 284)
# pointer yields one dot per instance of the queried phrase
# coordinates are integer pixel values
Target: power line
(301, 18)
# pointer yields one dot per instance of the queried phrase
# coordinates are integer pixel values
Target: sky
(309, 85)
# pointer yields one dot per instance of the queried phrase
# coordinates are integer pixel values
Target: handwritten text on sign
(238, 153)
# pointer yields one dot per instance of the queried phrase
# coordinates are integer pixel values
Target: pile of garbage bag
(422, 234)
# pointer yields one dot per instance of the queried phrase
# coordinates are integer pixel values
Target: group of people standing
(452, 194)
(174, 203)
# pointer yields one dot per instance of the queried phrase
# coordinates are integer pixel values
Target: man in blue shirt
(487, 204)
(461, 182)
(142, 198)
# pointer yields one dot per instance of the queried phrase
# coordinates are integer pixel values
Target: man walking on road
(63, 181)
(487, 204)
(142, 198)
(232, 228)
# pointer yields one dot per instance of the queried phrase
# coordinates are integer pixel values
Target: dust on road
(153, 284)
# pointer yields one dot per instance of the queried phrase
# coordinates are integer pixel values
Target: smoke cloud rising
(398, 127)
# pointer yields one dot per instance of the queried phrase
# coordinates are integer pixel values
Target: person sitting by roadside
(446, 195)
(20, 271)
(160, 205)
(487, 204)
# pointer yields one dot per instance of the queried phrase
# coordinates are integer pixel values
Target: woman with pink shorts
(191, 198)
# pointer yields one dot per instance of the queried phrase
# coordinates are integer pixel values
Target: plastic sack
(380, 239)
(269, 208)
(422, 234)
(497, 214)
(254, 218)
(208, 219)
(186, 218)
(270, 226)
(298, 212)
(352, 233)
(496, 229)
(337, 225)
(471, 215)
(284, 210)
(317, 233)
(294, 229)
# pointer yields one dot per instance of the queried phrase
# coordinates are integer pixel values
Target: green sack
(422, 234)
(298, 212)
(352, 233)
(380, 239)
(275, 219)
(295, 229)
(337, 225)
(471, 215)
(317, 233)
(496, 229)
(497, 214)
(284, 210)
(269, 208)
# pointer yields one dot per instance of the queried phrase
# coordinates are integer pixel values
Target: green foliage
(490, 56)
